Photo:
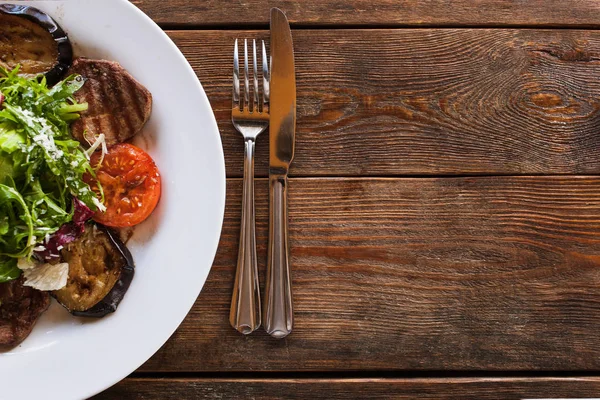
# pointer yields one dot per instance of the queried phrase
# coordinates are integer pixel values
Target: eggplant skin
(64, 50)
(101, 269)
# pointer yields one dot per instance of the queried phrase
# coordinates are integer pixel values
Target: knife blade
(278, 310)
(283, 95)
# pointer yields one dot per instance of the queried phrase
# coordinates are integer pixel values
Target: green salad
(41, 165)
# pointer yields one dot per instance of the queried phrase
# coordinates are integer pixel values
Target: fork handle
(278, 316)
(245, 310)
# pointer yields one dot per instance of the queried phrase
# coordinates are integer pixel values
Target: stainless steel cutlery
(251, 115)
(278, 312)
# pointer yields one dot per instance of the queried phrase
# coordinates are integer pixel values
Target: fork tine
(266, 77)
(255, 107)
(246, 77)
(236, 76)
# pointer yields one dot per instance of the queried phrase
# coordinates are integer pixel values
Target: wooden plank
(426, 102)
(415, 274)
(329, 389)
(578, 13)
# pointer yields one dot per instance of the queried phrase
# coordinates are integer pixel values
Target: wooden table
(444, 205)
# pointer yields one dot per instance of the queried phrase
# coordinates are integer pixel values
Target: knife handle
(278, 314)
(245, 302)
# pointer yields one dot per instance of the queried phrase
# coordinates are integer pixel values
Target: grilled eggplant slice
(31, 38)
(100, 271)
(20, 308)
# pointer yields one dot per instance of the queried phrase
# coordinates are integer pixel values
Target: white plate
(73, 358)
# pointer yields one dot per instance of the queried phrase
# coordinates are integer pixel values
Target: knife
(278, 313)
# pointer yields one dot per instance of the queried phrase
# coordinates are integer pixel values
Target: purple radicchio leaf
(67, 233)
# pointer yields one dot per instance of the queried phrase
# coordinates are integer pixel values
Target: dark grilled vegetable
(31, 38)
(100, 271)
(20, 308)
(119, 106)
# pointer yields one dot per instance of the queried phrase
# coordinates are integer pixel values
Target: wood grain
(331, 389)
(483, 273)
(340, 13)
(425, 101)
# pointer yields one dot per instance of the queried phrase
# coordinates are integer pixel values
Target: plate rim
(102, 385)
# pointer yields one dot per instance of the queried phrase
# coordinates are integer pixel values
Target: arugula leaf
(15, 212)
(6, 167)
(10, 139)
(41, 166)
(8, 269)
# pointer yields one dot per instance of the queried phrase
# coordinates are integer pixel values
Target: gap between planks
(360, 375)
(263, 27)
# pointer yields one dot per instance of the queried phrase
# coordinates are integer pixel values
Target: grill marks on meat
(119, 106)
(20, 308)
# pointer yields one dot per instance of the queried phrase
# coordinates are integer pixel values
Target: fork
(250, 118)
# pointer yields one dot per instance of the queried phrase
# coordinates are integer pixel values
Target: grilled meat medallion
(119, 106)
(20, 308)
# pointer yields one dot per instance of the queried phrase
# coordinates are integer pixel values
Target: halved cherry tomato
(131, 184)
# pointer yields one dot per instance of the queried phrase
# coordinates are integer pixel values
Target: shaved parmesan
(104, 150)
(24, 264)
(43, 137)
(99, 141)
(32, 240)
(101, 207)
(47, 276)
